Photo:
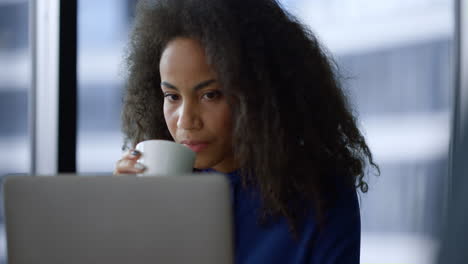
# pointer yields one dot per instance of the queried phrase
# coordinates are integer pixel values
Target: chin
(201, 163)
(201, 166)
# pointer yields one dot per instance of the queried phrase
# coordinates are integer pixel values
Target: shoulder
(339, 240)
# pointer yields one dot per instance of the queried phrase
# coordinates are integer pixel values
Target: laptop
(118, 219)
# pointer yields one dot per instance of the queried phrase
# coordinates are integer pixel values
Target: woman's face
(196, 112)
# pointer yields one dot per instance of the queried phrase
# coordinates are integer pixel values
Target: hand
(129, 163)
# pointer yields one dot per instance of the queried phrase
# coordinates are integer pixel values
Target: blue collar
(234, 176)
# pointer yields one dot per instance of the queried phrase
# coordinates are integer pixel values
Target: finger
(125, 166)
(132, 154)
(128, 171)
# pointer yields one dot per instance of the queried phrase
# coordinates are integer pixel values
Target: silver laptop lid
(121, 219)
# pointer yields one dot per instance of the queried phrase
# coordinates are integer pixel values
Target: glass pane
(14, 89)
(395, 60)
(103, 28)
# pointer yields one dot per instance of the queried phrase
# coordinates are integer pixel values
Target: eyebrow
(196, 87)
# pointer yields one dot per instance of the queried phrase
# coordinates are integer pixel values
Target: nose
(189, 118)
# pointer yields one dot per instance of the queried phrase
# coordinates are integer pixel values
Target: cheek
(221, 121)
(170, 118)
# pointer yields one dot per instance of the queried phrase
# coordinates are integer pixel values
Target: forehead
(184, 57)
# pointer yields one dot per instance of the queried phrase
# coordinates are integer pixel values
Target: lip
(194, 145)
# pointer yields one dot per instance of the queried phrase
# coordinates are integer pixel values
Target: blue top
(337, 243)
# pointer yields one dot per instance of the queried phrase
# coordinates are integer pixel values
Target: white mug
(163, 157)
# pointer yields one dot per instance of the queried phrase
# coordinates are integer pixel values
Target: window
(14, 94)
(103, 29)
(395, 62)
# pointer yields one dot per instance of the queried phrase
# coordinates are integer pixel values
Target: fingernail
(139, 166)
(135, 153)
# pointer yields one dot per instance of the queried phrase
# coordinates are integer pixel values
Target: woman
(248, 87)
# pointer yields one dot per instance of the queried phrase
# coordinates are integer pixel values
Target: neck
(226, 166)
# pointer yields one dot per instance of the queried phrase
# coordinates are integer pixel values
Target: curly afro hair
(295, 135)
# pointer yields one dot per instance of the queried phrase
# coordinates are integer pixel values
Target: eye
(171, 97)
(212, 95)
